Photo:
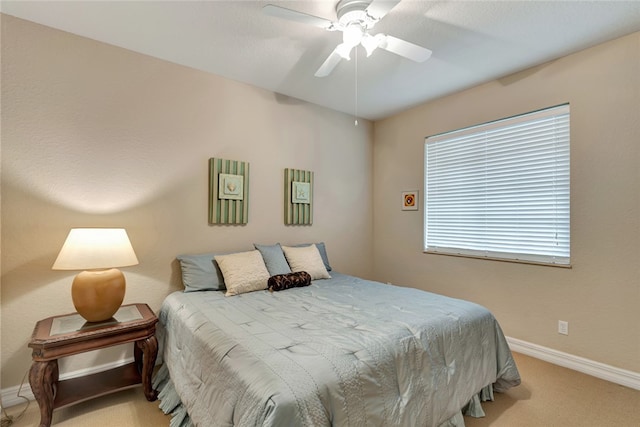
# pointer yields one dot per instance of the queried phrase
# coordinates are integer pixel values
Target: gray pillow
(274, 259)
(322, 250)
(200, 273)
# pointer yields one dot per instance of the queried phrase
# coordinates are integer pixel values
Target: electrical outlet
(563, 327)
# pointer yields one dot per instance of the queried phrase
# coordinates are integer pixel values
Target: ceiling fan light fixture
(353, 34)
(344, 50)
(370, 43)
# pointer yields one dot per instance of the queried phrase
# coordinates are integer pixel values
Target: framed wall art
(410, 200)
(298, 197)
(228, 191)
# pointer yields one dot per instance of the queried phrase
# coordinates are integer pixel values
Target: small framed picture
(231, 186)
(410, 200)
(301, 192)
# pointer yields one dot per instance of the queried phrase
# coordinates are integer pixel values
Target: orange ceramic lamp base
(97, 294)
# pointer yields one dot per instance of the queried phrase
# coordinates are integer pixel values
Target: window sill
(516, 261)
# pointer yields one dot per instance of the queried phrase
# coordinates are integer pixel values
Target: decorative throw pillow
(243, 272)
(200, 272)
(323, 252)
(274, 258)
(306, 258)
(280, 282)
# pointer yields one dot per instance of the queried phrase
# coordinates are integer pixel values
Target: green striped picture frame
(298, 213)
(228, 210)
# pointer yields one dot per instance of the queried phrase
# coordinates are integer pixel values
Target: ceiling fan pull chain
(356, 96)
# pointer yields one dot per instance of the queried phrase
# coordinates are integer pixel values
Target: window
(500, 190)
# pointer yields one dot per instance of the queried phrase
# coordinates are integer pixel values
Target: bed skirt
(171, 404)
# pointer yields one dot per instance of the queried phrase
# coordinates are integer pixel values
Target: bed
(342, 351)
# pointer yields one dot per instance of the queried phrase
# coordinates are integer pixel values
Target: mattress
(344, 351)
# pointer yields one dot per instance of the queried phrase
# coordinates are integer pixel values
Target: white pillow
(306, 258)
(243, 272)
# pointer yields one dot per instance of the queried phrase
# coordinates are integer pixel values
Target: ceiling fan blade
(294, 15)
(329, 64)
(378, 8)
(404, 48)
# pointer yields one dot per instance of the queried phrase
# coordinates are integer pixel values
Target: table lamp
(98, 292)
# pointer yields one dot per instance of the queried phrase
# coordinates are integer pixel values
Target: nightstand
(61, 336)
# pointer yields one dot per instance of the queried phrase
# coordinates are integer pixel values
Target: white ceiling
(472, 42)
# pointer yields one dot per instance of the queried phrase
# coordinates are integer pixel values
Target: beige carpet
(549, 396)
(552, 396)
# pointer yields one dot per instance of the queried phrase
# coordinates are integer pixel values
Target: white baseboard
(596, 369)
(10, 395)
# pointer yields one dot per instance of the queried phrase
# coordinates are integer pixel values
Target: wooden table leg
(145, 353)
(43, 377)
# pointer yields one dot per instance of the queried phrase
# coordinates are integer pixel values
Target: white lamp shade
(94, 248)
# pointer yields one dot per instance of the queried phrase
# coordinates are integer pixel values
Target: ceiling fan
(355, 19)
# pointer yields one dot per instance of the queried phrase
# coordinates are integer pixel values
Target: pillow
(243, 272)
(322, 250)
(200, 273)
(306, 258)
(280, 282)
(274, 258)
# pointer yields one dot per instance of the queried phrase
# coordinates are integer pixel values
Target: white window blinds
(501, 189)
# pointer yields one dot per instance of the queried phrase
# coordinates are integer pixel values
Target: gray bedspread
(343, 351)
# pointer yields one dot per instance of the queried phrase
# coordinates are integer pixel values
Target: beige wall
(600, 295)
(94, 135)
